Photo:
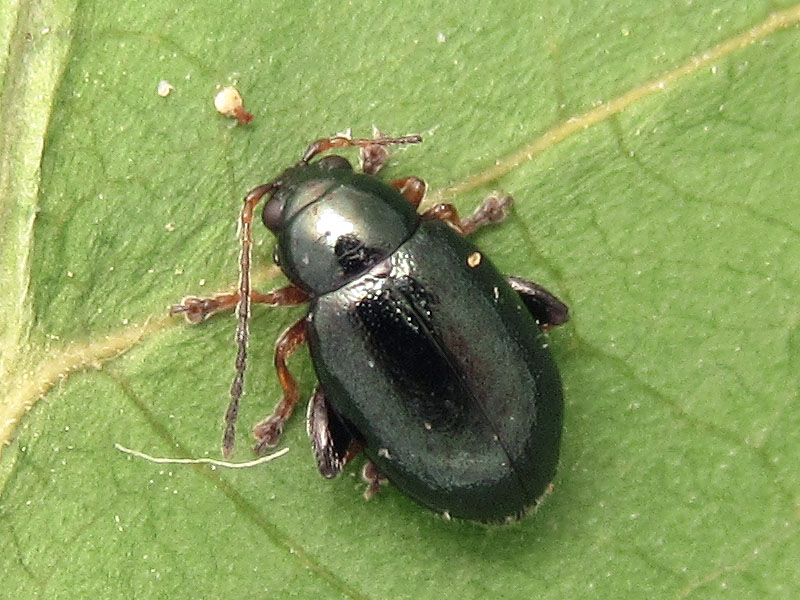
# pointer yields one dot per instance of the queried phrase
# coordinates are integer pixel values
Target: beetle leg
(197, 309)
(268, 431)
(492, 210)
(333, 444)
(412, 188)
(548, 310)
(324, 144)
(373, 478)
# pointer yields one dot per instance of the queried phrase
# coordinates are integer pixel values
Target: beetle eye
(334, 162)
(273, 213)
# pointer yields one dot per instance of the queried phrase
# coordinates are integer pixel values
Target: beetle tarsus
(268, 433)
(196, 309)
(373, 156)
(373, 478)
(493, 209)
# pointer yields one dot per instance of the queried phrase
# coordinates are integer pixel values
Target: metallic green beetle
(428, 359)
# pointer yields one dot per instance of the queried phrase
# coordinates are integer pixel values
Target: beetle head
(299, 186)
(332, 224)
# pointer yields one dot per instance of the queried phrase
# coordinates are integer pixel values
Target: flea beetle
(428, 360)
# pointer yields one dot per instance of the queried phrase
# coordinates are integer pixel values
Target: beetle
(428, 359)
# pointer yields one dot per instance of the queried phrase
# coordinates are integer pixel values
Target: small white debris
(441, 38)
(228, 102)
(347, 134)
(201, 461)
(165, 88)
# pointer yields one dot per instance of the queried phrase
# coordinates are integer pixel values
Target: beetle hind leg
(335, 445)
(331, 440)
(548, 310)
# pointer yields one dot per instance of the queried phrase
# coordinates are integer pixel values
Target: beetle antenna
(340, 141)
(252, 198)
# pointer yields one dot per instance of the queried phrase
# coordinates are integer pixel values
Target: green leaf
(652, 155)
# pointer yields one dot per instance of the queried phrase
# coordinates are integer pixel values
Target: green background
(671, 228)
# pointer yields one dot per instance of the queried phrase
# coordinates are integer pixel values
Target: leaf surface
(651, 153)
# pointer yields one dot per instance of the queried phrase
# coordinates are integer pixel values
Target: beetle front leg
(322, 145)
(492, 210)
(268, 431)
(197, 309)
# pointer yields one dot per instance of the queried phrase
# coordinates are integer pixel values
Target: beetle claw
(196, 310)
(268, 433)
(191, 308)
